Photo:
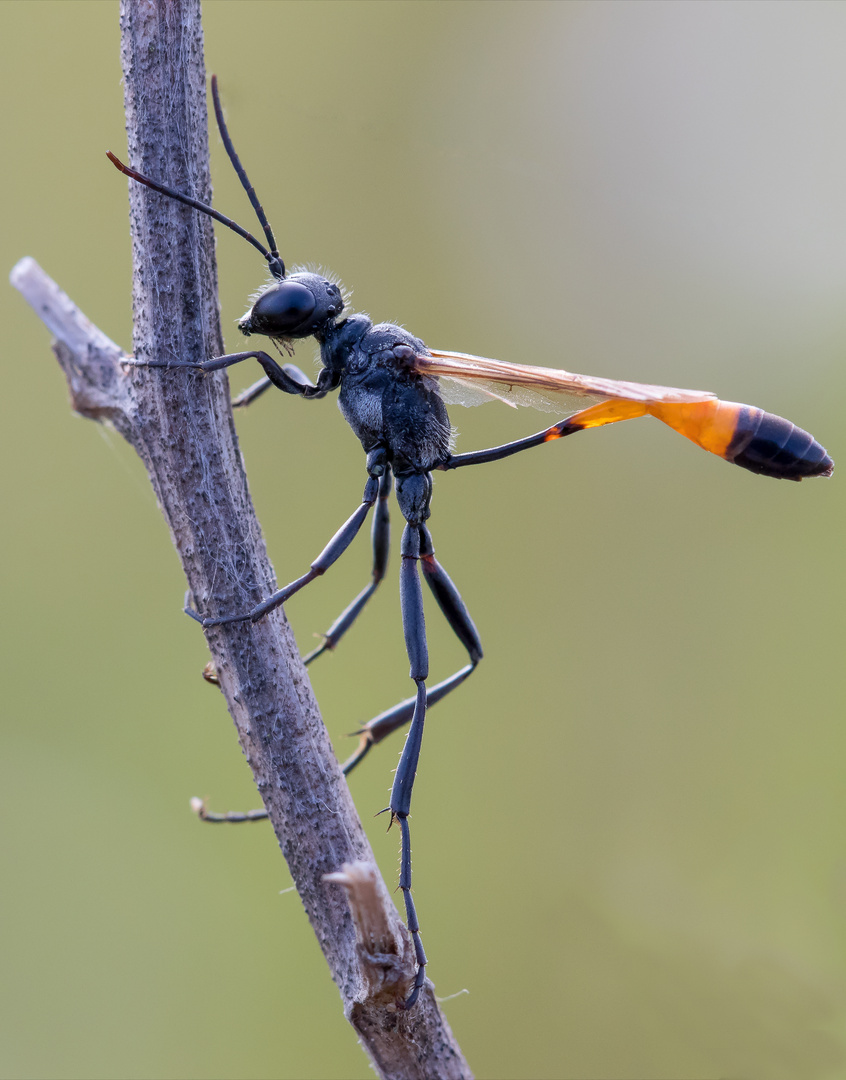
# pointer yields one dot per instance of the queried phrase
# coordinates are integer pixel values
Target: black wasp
(391, 392)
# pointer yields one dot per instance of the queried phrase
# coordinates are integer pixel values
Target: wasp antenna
(277, 266)
(195, 203)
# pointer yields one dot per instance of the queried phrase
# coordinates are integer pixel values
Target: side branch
(88, 358)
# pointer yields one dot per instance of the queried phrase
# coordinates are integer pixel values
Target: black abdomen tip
(770, 445)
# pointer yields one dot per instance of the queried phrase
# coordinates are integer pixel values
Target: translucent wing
(479, 391)
(470, 380)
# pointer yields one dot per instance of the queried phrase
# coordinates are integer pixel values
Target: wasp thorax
(294, 308)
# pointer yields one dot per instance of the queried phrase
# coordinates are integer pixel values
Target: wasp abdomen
(768, 444)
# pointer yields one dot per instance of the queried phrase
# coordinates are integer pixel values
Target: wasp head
(296, 307)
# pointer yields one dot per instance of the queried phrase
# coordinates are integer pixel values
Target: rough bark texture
(181, 425)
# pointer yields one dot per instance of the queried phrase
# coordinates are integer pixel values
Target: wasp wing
(470, 380)
(480, 391)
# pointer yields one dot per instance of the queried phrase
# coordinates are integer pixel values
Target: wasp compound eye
(282, 311)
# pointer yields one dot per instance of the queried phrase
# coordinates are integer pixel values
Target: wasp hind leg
(417, 549)
(456, 613)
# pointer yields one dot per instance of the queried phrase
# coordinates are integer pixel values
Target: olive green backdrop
(630, 824)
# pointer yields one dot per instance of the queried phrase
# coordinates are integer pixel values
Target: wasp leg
(330, 554)
(248, 396)
(287, 377)
(417, 549)
(450, 602)
(381, 542)
(377, 729)
(414, 627)
(497, 453)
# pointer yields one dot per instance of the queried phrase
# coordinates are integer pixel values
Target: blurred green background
(630, 841)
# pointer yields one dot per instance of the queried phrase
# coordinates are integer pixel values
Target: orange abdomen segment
(755, 440)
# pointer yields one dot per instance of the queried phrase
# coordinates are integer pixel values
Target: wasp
(393, 391)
